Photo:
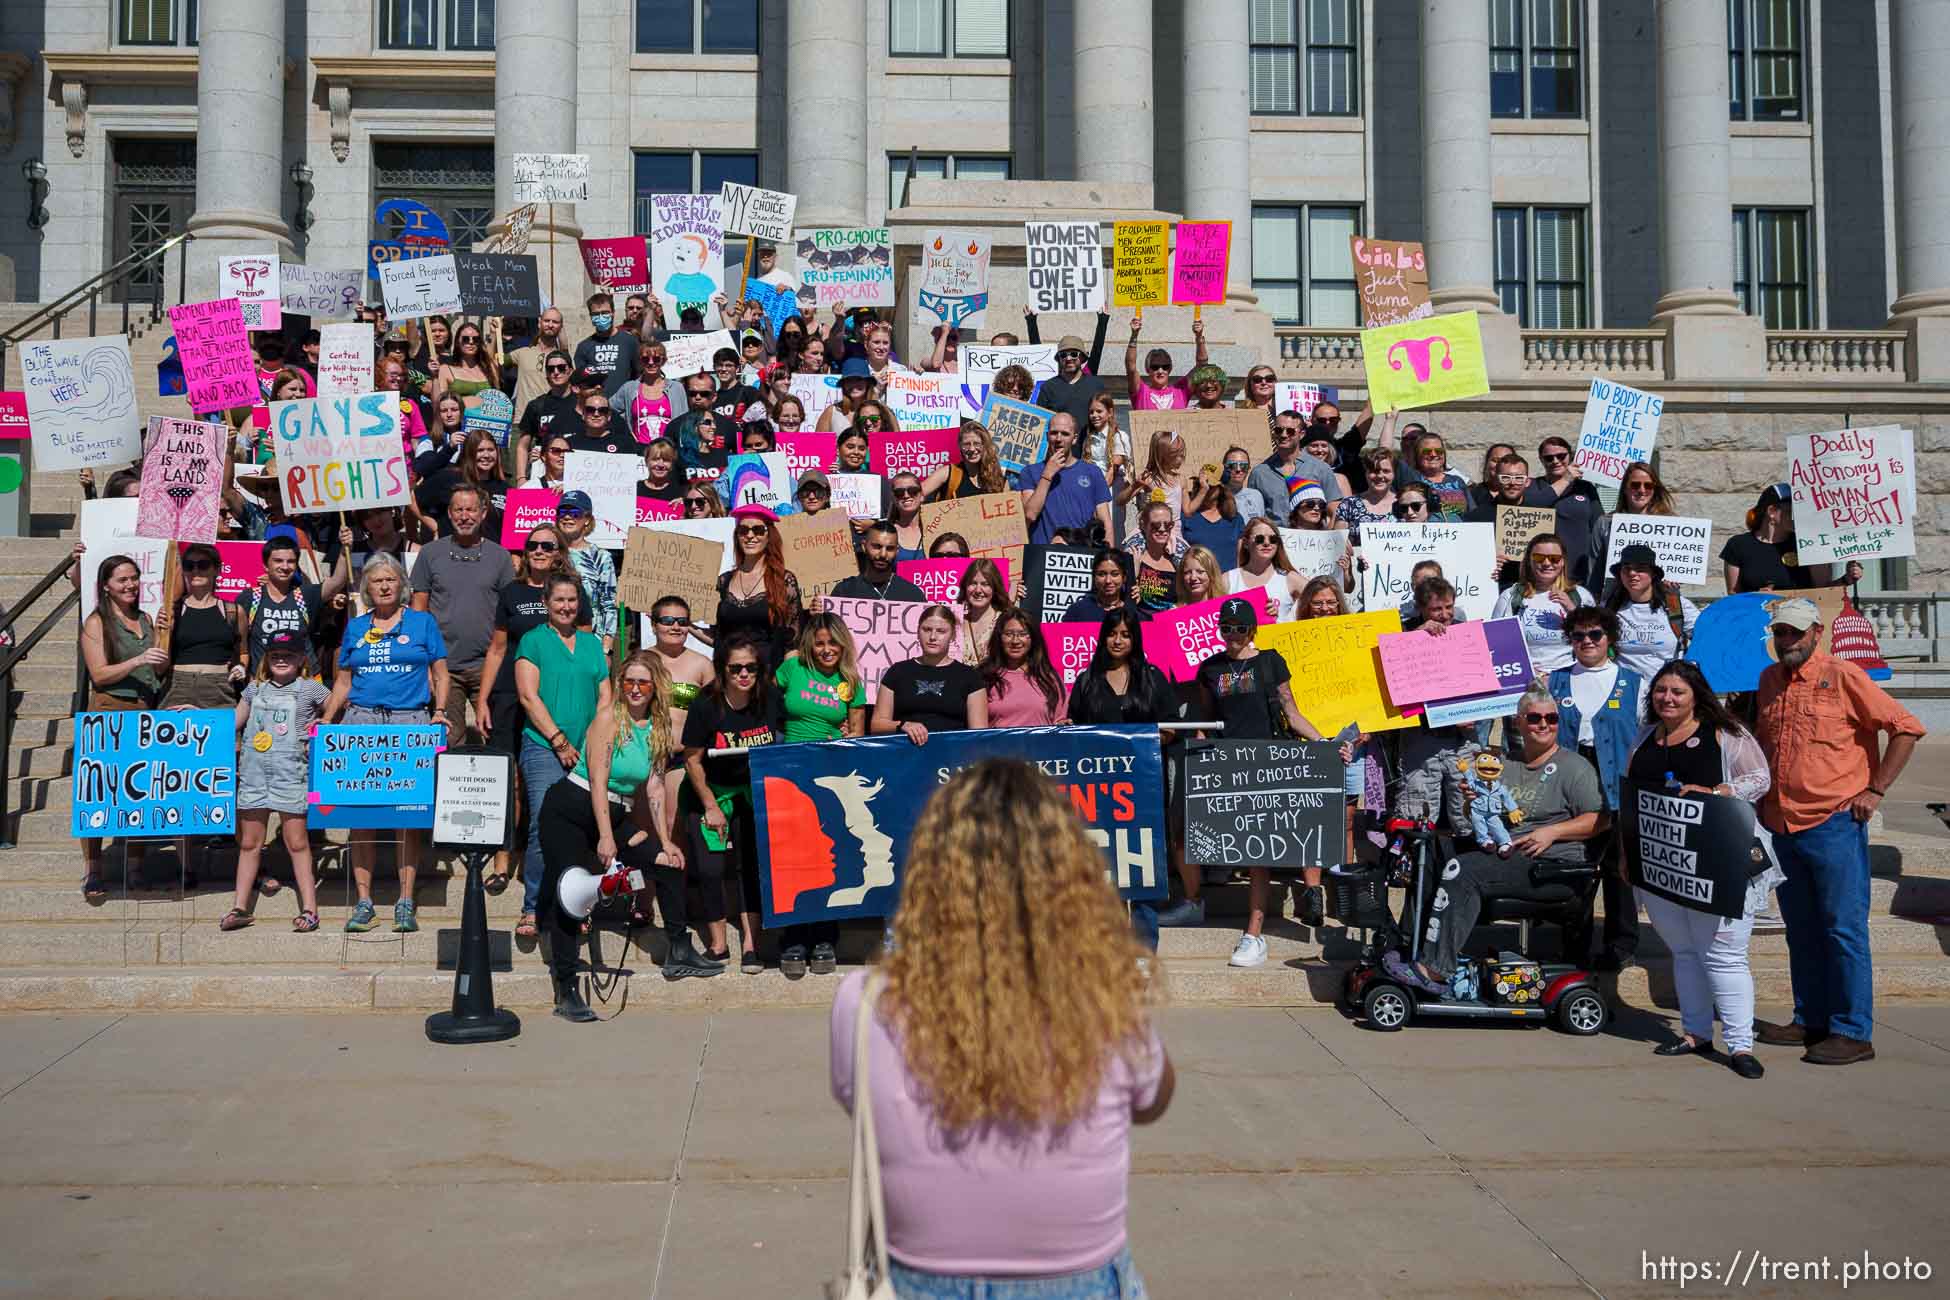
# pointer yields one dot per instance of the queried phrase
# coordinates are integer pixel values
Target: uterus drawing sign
(1419, 352)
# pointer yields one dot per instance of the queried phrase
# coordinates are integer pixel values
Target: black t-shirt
(1245, 692)
(1071, 397)
(268, 617)
(1087, 609)
(672, 490)
(614, 357)
(1764, 564)
(709, 725)
(521, 609)
(1694, 761)
(1146, 699)
(936, 697)
(549, 413)
(731, 404)
(612, 440)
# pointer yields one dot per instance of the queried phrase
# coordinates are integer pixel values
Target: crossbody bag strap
(868, 1206)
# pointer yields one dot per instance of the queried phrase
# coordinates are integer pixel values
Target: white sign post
(1683, 544)
(473, 799)
(551, 178)
(1854, 493)
(81, 408)
(421, 286)
(1620, 426)
(1466, 552)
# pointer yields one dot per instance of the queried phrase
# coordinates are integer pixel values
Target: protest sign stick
(745, 273)
(172, 587)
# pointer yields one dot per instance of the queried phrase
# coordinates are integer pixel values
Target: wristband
(1880, 794)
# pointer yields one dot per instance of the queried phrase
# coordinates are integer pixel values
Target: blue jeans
(1117, 1280)
(1144, 921)
(1825, 903)
(540, 769)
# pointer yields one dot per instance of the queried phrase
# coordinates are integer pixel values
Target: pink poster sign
(1070, 647)
(650, 510)
(808, 451)
(527, 508)
(218, 369)
(1419, 668)
(13, 416)
(940, 580)
(1177, 641)
(621, 265)
(1198, 268)
(243, 565)
(918, 451)
(182, 479)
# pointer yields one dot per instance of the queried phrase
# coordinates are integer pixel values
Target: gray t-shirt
(1563, 788)
(1272, 484)
(463, 585)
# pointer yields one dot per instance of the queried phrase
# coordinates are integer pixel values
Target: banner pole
(746, 273)
(172, 584)
(551, 259)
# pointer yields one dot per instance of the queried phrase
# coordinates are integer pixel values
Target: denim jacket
(1612, 731)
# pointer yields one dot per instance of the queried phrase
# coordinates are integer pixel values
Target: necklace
(748, 589)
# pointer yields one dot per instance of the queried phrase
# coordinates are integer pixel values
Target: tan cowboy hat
(259, 478)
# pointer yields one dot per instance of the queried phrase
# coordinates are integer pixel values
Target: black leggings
(569, 835)
(1457, 899)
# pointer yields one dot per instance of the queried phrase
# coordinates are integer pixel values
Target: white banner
(610, 480)
(1683, 544)
(1314, 554)
(340, 453)
(1854, 494)
(550, 178)
(420, 286)
(345, 366)
(1466, 552)
(108, 528)
(858, 495)
(980, 361)
(81, 408)
(923, 401)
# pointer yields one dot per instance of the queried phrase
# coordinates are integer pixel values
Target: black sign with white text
(1264, 803)
(1054, 576)
(499, 284)
(1696, 850)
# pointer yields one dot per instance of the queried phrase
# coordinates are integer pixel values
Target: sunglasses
(555, 451)
(751, 530)
(1311, 505)
(1235, 629)
(1589, 634)
(1232, 465)
(1540, 558)
(1263, 540)
(569, 512)
(558, 366)
(197, 566)
(1410, 507)
(1557, 459)
(671, 620)
(637, 685)
(907, 492)
(1260, 379)
(544, 546)
(1539, 719)
(741, 670)
(595, 410)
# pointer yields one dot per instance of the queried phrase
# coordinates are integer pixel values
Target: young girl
(273, 774)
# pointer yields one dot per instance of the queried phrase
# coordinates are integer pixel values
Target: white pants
(1709, 968)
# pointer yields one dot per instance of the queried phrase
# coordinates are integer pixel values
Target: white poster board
(1684, 544)
(762, 214)
(1315, 554)
(81, 409)
(473, 799)
(857, 495)
(108, 528)
(550, 178)
(252, 279)
(420, 286)
(1854, 494)
(1466, 552)
(1066, 266)
(690, 354)
(981, 361)
(344, 359)
(1620, 426)
(610, 480)
(686, 254)
(321, 292)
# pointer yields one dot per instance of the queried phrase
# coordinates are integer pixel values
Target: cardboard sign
(620, 265)
(321, 292)
(108, 528)
(1425, 362)
(805, 452)
(818, 550)
(762, 214)
(1694, 850)
(1419, 667)
(690, 354)
(857, 495)
(80, 402)
(847, 267)
(1066, 266)
(1198, 266)
(1017, 429)
(345, 365)
(1683, 544)
(340, 453)
(1466, 552)
(924, 401)
(527, 509)
(499, 284)
(686, 253)
(1733, 643)
(940, 580)
(364, 766)
(550, 178)
(421, 287)
(659, 562)
(1854, 494)
(1516, 525)
(1314, 554)
(252, 279)
(610, 480)
(1071, 647)
(182, 480)
(1207, 434)
(1177, 641)
(884, 633)
(757, 479)
(13, 417)
(516, 228)
(219, 371)
(1336, 669)
(143, 775)
(1392, 277)
(1509, 660)
(1140, 264)
(1264, 803)
(992, 523)
(1620, 426)
(954, 279)
(1054, 578)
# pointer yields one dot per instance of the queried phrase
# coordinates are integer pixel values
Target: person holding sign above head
(276, 716)
(1263, 562)
(1063, 492)
(758, 597)
(1542, 596)
(1763, 557)
(946, 357)
(575, 517)
(1655, 622)
(1075, 384)
(1599, 704)
(1155, 390)
(737, 711)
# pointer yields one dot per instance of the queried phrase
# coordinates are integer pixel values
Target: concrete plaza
(681, 1155)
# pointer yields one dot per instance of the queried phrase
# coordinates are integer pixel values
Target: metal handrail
(9, 661)
(91, 291)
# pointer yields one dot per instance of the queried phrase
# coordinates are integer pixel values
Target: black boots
(568, 1001)
(683, 960)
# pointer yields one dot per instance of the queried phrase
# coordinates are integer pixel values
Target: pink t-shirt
(996, 1205)
(1174, 396)
(1024, 705)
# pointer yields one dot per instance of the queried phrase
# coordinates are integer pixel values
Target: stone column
(1919, 46)
(1218, 132)
(241, 187)
(1112, 80)
(826, 124)
(535, 112)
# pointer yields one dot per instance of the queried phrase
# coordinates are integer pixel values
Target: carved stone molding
(339, 77)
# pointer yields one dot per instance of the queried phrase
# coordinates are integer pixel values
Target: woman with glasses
(1154, 389)
(1023, 687)
(599, 432)
(737, 711)
(550, 414)
(1155, 560)
(662, 480)
(1376, 503)
(1258, 395)
(905, 492)
(645, 400)
(472, 370)
(549, 468)
(701, 501)
(1431, 466)
(1263, 562)
(821, 697)
(1579, 509)
(1163, 472)
(1640, 492)
(1412, 504)
(758, 596)
(1236, 472)
(575, 518)
(1543, 597)
(978, 471)
(983, 599)
(948, 546)
(1655, 622)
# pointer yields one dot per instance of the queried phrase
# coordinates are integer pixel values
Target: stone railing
(1599, 352)
(1908, 624)
(1843, 353)
(1326, 351)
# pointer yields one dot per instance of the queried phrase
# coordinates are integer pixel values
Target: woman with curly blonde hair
(1010, 1051)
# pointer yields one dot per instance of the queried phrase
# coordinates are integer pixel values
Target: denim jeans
(1144, 921)
(1117, 1280)
(1825, 904)
(540, 769)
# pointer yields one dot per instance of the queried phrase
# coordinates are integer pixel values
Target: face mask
(601, 322)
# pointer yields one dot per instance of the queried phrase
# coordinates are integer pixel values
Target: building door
(153, 195)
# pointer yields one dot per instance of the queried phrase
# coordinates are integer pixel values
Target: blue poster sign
(154, 774)
(834, 816)
(374, 765)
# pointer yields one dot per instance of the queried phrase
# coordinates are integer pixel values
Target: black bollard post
(474, 1018)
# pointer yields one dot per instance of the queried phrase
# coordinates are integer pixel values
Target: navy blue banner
(834, 816)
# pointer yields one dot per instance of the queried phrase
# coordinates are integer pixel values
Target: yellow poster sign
(1425, 362)
(1140, 264)
(1336, 667)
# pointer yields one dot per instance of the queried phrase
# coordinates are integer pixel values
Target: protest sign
(857, 495)
(345, 366)
(806, 451)
(1140, 264)
(1066, 266)
(219, 371)
(107, 528)
(1336, 669)
(1207, 434)
(954, 279)
(848, 267)
(659, 562)
(716, 530)
(424, 286)
(418, 231)
(1733, 641)
(1419, 667)
(1516, 525)
(252, 279)
(340, 453)
(884, 633)
(320, 292)
(620, 264)
(834, 819)
(690, 354)
(516, 227)
(1466, 552)
(528, 508)
(1054, 578)
(499, 284)
(686, 252)
(940, 580)
(650, 510)
(815, 394)
(1198, 265)
(1854, 494)
(779, 302)
(1620, 426)
(1071, 647)
(13, 417)
(610, 479)
(1177, 641)
(494, 412)
(1696, 850)
(361, 766)
(1018, 430)
(550, 178)
(1298, 397)
(1315, 553)
(144, 775)
(1392, 278)
(1509, 660)
(980, 362)
(923, 401)
(240, 565)
(991, 522)
(912, 451)
(1264, 803)
(1684, 544)
(762, 214)
(1425, 362)
(80, 402)
(819, 550)
(756, 479)
(182, 480)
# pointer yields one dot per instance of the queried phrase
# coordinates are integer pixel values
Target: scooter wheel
(1582, 1012)
(1387, 1007)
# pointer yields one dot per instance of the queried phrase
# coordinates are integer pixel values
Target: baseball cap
(286, 642)
(587, 377)
(576, 499)
(1069, 343)
(1797, 612)
(813, 478)
(750, 336)
(1238, 612)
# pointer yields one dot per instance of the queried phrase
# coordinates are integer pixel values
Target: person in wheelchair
(1562, 806)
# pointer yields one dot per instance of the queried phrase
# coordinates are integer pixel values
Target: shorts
(1357, 777)
(100, 703)
(358, 715)
(199, 691)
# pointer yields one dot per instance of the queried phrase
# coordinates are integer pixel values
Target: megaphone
(579, 889)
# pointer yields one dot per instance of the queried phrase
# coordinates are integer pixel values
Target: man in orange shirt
(1821, 722)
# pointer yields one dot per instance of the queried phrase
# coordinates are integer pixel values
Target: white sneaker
(1250, 951)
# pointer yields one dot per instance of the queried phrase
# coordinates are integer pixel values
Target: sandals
(304, 922)
(94, 888)
(495, 883)
(235, 919)
(525, 929)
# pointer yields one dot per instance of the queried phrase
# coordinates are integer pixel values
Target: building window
(1303, 268)
(455, 180)
(436, 25)
(1541, 267)
(692, 172)
(944, 166)
(1305, 57)
(948, 29)
(1535, 59)
(157, 22)
(1770, 266)
(1764, 41)
(697, 26)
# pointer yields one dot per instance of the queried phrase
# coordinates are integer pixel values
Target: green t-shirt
(814, 704)
(571, 679)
